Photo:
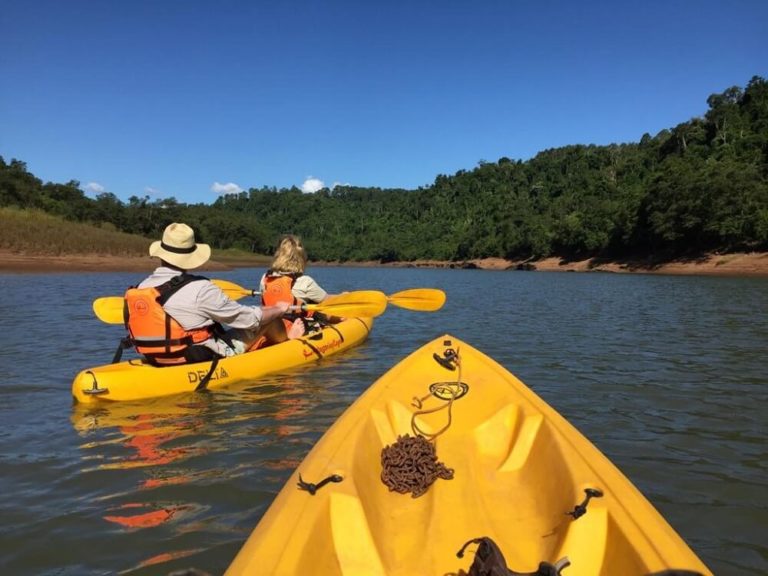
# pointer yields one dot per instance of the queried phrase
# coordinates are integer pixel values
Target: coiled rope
(410, 464)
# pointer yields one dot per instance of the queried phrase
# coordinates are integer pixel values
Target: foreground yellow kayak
(447, 448)
(136, 380)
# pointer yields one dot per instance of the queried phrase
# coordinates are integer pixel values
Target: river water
(666, 375)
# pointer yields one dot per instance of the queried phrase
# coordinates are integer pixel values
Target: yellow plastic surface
(135, 380)
(519, 468)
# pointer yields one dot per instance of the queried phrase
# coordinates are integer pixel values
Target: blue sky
(189, 98)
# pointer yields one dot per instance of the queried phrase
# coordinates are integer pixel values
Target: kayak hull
(136, 380)
(519, 472)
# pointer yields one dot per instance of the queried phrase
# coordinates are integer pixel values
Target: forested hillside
(699, 186)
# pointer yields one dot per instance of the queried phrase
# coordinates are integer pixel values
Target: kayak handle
(95, 390)
(580, 509)
(312, 488)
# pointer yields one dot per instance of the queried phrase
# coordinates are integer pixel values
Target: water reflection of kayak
(136, 380)
(450, 452)
(153, 437)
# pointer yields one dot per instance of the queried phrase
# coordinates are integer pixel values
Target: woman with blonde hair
(285, 280)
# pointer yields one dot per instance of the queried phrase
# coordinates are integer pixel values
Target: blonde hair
(290, 256)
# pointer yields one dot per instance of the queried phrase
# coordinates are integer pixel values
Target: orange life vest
(153, 332)
(277, 288)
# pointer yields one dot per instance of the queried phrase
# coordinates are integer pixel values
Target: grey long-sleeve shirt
(199, 304)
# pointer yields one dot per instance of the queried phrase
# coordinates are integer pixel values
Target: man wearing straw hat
(174, 317)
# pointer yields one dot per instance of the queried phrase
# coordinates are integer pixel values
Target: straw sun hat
(178, 247)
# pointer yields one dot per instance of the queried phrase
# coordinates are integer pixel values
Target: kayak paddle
(364, 303)
(422, 299)
(109, 309)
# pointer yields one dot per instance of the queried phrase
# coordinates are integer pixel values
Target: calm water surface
(666, 375)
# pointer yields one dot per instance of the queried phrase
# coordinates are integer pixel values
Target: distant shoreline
(736, 264)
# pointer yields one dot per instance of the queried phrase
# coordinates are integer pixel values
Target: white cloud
(340, 184)
(312, 185)
(149, 191)
(94, 188)
(228, 188)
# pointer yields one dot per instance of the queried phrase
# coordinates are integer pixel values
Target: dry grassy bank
(31, 239)
(35, 232)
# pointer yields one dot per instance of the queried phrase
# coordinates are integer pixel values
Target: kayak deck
(520, 472)
(137, 380)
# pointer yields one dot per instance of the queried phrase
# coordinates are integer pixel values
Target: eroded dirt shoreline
(737, 264)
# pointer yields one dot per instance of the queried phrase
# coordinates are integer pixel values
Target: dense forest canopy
(699, 186)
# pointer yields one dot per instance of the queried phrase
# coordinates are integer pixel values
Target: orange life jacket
(277, 288)
(153, 332)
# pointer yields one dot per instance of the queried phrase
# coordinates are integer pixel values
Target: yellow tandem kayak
(137, 380)
(450, 452)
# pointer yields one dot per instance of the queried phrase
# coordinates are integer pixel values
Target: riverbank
(736, 264)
